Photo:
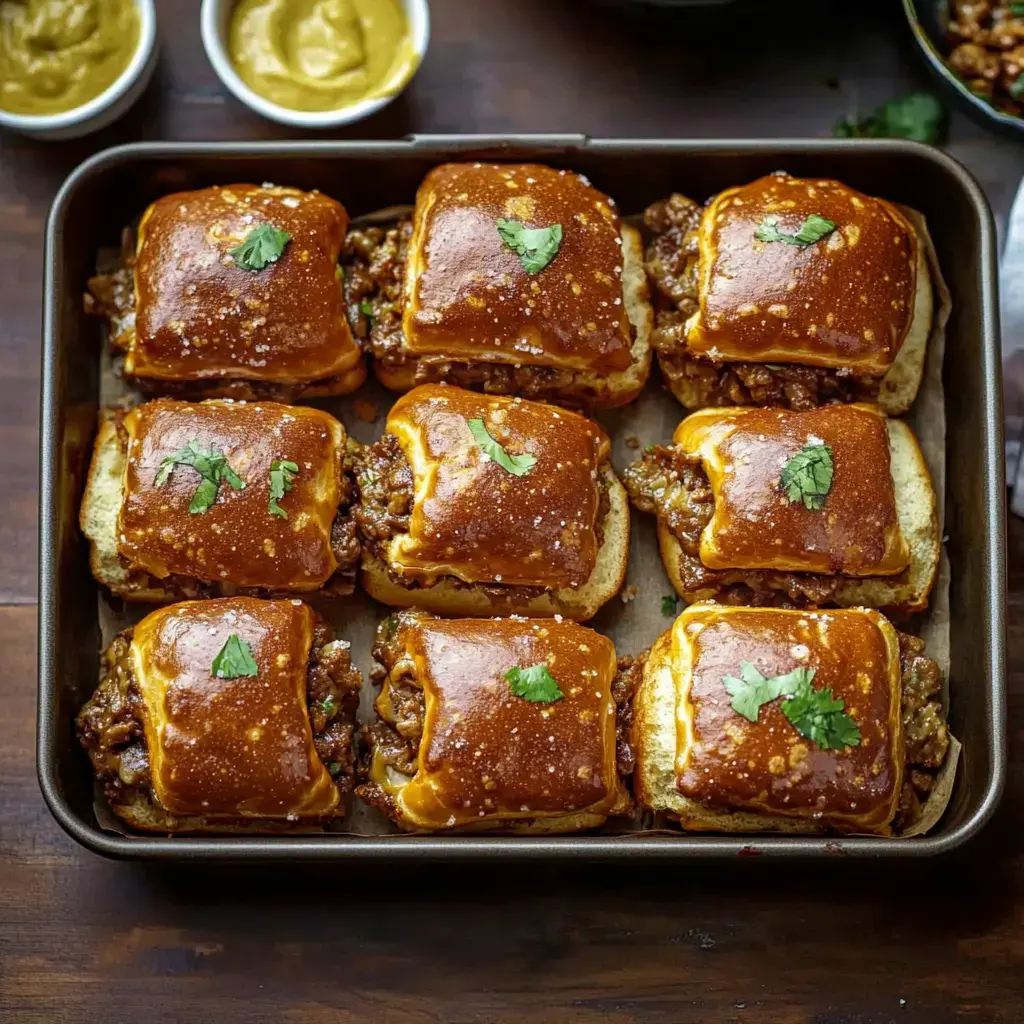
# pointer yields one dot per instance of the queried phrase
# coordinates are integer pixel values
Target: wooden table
(82, 939)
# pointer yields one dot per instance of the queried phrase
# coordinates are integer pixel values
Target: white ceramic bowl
(215, 17)
(109, 105)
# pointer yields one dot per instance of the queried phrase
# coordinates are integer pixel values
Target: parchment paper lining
(633, 621)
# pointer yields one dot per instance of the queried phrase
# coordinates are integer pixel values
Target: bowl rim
(941, 67)
(40, 123)
(418, 13)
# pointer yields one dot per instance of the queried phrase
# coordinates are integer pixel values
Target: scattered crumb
(629, 593)
(366, 411)
(632, 441)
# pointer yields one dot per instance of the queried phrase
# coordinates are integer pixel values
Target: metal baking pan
(110, 189)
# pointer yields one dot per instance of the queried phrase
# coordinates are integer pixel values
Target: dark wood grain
(84, 940)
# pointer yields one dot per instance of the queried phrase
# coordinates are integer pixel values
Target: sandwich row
(488, 505)
(238, 714)
(522, 279)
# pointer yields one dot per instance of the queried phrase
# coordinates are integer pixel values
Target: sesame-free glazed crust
(702, 762)
(846, 301)
(475, 520)
(856, 532)
(237, 539)
(200, 316)
(487, 755)
(238, 747)
(467, 294)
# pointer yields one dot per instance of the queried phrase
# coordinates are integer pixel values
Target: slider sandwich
(791, 292)
(230, 715)
(217, 498)
(511, 725)
(477, 504)
(767, 719)
(770, 506)
(233, 291)
(510, 279)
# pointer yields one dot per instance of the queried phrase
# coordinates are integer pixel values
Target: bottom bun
(144, 815)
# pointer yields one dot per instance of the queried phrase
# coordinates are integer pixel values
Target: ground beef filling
(384, 483)
(673, 485)
(397, 744)
(112, 295)
(925, 733)
(344, 544)
(671, 263)
(374, 269)
(110, 725)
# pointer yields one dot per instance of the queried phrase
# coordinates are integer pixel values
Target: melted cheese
(724, 760)
(475, 520)
(847, 300)
(486, 754)
(230, 747)
(755, 526)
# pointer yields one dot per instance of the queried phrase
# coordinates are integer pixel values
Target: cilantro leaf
(282, 480)
(210, 464)
(205, 495)
(517, 465)
(813, 229)
(334, 768)
(816, 714)
(329, 706)
(261, 246)
(918, 116)
(819, 716)
(753, 690)
(234, 660)
(535, 684)
(807, 477)
(367, 310)
(668, 606)
(536, 247)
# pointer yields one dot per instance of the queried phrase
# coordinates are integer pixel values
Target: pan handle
(556, 141)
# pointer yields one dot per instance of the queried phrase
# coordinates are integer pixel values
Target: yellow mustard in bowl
(321, 54)
(56, 55)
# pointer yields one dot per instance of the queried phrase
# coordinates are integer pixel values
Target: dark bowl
(927, 21)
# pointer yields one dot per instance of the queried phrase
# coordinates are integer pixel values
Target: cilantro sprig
(918, 116)
(536, 247)
(807, 477)
(234, 660)
(282, 480)
(517, 465)
(261, 246)
(211, 465)
(813, 229)
(534, 683)
(818, 715)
